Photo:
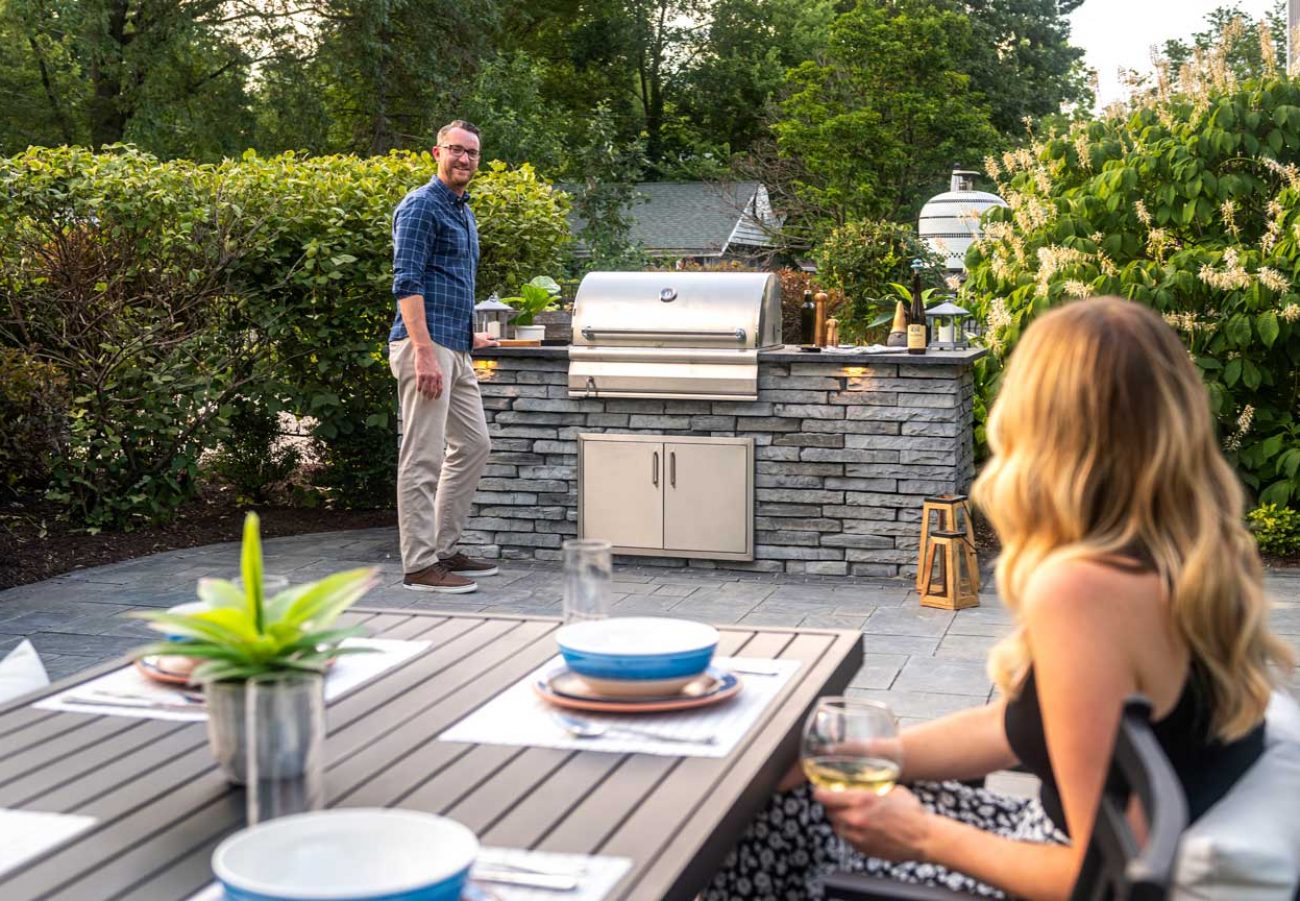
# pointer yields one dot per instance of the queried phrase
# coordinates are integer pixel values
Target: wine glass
(852, 744)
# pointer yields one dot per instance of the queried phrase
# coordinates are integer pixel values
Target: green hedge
(1190, 204)
(171, 295)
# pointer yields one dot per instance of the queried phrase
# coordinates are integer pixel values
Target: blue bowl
(348, 855)
(638, 648)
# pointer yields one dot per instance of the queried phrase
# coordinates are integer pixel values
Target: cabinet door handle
(672, 468)
(654, 469)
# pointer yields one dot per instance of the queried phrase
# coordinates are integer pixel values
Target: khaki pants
(445, 447)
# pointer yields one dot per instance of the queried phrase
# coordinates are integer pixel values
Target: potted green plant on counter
(281, 645)
(540, 294)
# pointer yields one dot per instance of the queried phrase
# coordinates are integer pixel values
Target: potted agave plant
(281, 646)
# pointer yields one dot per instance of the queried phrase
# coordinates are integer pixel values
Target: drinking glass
(852, 744)
(588, 571)
(285, 735)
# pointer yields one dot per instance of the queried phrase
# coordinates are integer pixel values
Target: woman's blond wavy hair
(1103, 443)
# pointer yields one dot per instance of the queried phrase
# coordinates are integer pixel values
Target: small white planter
(530, 332)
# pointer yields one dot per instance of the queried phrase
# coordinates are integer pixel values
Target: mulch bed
(35, 545)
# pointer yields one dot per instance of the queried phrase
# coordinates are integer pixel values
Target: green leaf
(251, 569)
(1267, 327)
(1251, 375)
(1279, 493)
(192, 626)
(324, 600)
(1238, 330)
(220, 593)
(1232, 372)
(1289, 462)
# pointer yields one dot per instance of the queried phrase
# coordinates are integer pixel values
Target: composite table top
(161, 806)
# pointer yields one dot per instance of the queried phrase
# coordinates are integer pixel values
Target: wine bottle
(918, 332)
(808, 321)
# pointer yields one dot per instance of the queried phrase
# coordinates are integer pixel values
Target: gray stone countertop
(786, 354)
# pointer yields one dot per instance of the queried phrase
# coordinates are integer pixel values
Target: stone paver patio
(924, 662)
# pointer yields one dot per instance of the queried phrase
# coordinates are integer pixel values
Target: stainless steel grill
(672, 334)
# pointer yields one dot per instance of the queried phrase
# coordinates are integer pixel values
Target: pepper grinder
(819, 330)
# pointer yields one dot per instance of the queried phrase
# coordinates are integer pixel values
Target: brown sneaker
(440, 578)
(462, 565)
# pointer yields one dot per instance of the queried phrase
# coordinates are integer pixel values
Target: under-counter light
(485, 369)
(854, 372)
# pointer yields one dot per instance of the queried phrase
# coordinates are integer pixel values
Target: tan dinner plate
(564, 688)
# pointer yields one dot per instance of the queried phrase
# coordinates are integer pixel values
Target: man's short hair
(457, 123)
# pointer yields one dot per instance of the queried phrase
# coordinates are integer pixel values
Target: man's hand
(428, 374)
(483, 339)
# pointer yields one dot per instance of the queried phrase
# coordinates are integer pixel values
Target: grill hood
(672, 334)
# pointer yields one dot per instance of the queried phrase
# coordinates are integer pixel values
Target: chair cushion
(1247, 846)
(21, 672)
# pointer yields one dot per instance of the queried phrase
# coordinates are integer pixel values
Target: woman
(1128, 570)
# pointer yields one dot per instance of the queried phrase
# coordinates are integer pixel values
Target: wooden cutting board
(519, 342)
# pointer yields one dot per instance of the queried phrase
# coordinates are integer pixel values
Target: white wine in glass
(852, 744)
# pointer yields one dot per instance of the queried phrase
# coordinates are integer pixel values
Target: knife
(547, 881)
(84, 701)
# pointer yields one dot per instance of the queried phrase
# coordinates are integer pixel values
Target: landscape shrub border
(198, 290)
(1189, 203)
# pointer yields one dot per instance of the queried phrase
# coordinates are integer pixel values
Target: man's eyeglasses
(457, 150)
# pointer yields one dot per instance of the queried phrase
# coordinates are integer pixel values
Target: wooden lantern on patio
(951, 582)
(949, 513)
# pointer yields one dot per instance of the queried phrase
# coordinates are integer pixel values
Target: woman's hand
(894, 827)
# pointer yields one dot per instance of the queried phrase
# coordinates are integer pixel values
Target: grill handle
(672, 468)
(737, 335)
(654, 469)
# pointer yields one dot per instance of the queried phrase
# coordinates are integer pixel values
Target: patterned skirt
(790, 846)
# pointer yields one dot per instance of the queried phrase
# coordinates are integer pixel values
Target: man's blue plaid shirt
(435, 254)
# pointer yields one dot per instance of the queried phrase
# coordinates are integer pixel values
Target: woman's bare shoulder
(1089, 588)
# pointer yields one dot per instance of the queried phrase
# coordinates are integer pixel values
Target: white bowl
(350, 854)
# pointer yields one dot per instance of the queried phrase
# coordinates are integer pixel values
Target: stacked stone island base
(846, 450)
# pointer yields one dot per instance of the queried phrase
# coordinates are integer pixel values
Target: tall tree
(886, 108)
(110, 70)
(1021, 59)
(747, 49)
(395, 70)
(1244, 42)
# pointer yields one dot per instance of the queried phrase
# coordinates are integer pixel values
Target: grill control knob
(667, 295)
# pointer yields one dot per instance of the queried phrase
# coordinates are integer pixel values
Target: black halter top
(1206, 766)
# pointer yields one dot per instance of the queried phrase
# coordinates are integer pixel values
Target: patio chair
(1114, 867)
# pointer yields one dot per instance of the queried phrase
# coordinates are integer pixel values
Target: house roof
(697, 218)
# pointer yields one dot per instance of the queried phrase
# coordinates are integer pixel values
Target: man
(445, 443)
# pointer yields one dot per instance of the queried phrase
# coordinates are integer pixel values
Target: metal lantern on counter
(948, 327)
(491, 316)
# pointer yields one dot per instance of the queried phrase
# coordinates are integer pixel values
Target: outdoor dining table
(161, 806)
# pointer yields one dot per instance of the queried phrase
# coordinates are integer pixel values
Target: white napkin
(518, 716)
(24, 834)
(347, 673)
(596, 876)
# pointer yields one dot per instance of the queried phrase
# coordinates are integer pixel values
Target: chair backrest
(1114, 866)
(1247, 846)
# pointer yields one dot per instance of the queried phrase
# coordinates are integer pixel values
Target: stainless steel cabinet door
(622, 492)
(707, 505)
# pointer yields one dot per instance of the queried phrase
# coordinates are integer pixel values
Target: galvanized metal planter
(284, 721)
